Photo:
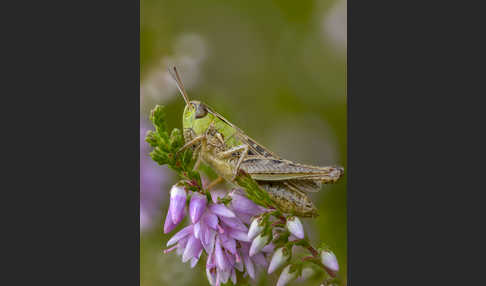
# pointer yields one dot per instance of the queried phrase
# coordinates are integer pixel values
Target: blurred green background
(276, 69)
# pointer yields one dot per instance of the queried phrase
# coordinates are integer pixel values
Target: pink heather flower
(242, 204)
(197, 206)
(192, 249)
(168, 224)
(258, 243)
(307, 272)
(269, 248)
(279, 258)
(234, 223)
(286, 276)
(177, 203)
(217, 229)
(181, 234)
(221, 210)
(329, 260)
(255, 228)
(295, 227)
(250, 262)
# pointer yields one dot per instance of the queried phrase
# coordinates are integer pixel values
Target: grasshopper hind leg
(289, 200)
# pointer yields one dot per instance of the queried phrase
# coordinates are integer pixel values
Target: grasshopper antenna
(175, 75)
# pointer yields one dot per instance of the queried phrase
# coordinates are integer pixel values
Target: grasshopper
(226, 149)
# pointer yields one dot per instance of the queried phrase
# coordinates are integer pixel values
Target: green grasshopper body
(226, 149)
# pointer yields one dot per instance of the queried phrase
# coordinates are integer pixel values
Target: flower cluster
(237, 235)
(283, 234)
(218, 227)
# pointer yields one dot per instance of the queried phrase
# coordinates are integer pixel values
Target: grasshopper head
(197, 116)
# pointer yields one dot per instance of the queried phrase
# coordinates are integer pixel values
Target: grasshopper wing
(255, 148)
(304, 185)
(266, 169)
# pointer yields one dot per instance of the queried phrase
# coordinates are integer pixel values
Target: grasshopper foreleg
(194, 141)
(214, 183)
(196, 152)
(244, 152)
(198, 162)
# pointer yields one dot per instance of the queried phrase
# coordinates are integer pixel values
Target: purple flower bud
(233, 276)
(181, 234)
(238, 261)
(210, 220)
(238, 234)
(286, 276)
(197, 230)
(220, 256)
(221, 210)
(234, 222)
(245, 218)
(279, 258)
(250, 269)
(258, 243)
(260, 259)
(217, 194)
(168, 224)
(181, 245)
(230, 258)
(239, 266)
(255, 228)
(197, 206)
(269, 248)
(211, 274)
(223, 275)
(177, 203)
(170, 249)
(228, 243)
(210, 263)
(329, 260)
(192, 249)
(307, 272)
(244, 205)
(295, 227)
(195, 259)
(208, 240)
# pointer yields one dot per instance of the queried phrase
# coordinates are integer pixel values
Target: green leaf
(152, 138)
(159, 157)
(176, 139)
(157, 116)
(253, 190)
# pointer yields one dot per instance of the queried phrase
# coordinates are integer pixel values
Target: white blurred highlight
(190, 52)
(335, 25)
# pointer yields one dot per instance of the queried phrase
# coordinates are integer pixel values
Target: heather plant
(236, 232)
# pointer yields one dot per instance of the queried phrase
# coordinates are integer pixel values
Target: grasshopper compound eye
(201, 111)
